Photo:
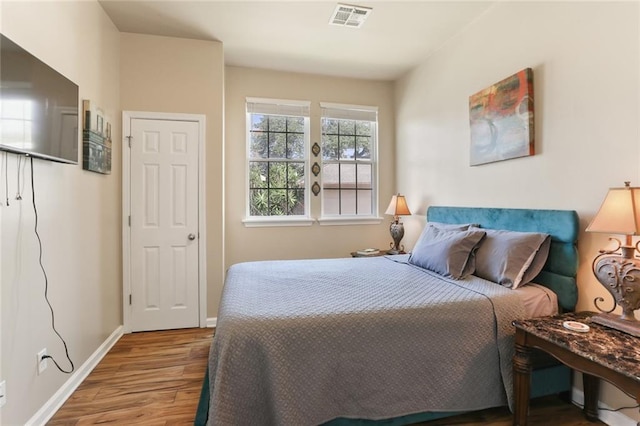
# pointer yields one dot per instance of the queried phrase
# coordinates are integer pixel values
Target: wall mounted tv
(38, 107)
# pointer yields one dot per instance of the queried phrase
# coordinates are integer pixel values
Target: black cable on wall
(46, 281)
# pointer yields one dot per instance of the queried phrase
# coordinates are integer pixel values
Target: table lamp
(618, 270)
(397, 207)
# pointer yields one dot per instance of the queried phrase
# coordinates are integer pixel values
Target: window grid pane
(347, 147)
(276, 165)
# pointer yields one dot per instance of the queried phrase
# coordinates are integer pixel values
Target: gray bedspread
(303, 342)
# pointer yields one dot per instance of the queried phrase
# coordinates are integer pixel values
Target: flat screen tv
(38, 107)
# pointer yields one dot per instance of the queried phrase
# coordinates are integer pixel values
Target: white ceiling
(295, 35)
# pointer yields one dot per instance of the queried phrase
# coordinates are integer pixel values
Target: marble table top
(611, 348)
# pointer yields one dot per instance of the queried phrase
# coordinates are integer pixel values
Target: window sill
(350, 220)
(257, 222)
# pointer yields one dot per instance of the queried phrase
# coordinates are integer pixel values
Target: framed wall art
(96, 140)
(501, 120)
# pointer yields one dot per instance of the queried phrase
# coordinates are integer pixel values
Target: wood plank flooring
(151, 378)
(154, 378)
(542, 412)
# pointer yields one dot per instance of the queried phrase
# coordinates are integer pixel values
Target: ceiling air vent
(349, 16)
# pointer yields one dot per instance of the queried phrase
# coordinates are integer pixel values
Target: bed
(381, 340)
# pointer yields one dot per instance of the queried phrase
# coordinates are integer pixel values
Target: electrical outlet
(3, 393)
(42, 363)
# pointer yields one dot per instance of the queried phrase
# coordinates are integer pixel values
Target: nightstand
(600, 353)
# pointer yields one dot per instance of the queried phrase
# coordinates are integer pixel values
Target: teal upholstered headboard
(559, 273)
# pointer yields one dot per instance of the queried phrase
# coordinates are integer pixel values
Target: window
(349, 142)
(277, 157)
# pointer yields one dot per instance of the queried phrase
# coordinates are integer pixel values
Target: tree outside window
(277, 160)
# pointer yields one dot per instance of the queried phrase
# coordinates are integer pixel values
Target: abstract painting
(501, 119)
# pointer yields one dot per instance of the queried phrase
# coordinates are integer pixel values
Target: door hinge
(129, 139)
(129, 299)
(129, 221)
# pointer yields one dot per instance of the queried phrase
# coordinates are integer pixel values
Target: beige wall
(246, 244)
(78, 216)
(162, 74)
(585, 60)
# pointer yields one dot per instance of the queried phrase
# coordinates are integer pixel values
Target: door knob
(192, 237)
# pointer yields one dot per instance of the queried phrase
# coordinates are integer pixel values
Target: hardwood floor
(155, 378)
(151, 378)
(543, 412)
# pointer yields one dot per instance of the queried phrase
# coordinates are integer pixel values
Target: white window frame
(363, 113)
(286, 108)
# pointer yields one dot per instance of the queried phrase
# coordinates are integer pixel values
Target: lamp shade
(398, 206)
(619, 212)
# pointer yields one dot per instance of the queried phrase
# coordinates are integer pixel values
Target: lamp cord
(607, 409)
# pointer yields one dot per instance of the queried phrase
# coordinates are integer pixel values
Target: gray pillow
(511, 258)
(452, 226)
(449, 253)
(446, 226)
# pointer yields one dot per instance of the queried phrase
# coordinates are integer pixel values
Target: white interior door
(164, 236)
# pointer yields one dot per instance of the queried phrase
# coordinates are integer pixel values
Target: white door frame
(127, 116)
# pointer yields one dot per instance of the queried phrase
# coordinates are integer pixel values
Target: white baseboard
(211, 322)
(54, 403)
(613, 418)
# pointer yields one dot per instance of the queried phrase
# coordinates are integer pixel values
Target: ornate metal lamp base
(617, 323)
(619, 273)
(396, 229)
